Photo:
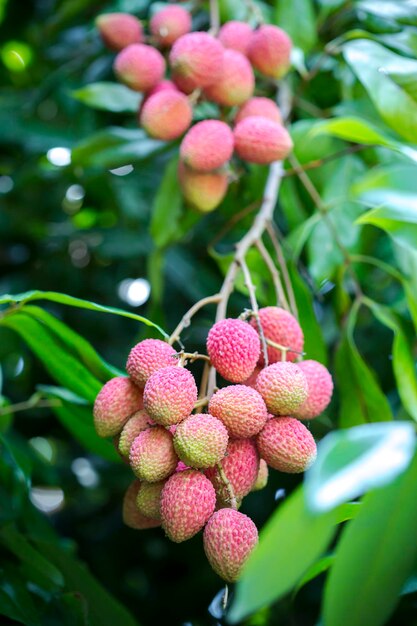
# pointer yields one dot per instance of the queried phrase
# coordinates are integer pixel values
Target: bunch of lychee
(202, 67)
(194, 468)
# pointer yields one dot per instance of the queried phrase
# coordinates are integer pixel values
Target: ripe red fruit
(269, 51)
(287, 445)
(140, 67)
(164, 85)
(260, 140)
(148, 356)
(169, 395)
(236, 35)
(233, 347)
(320, 389)
(136, 424)
(203, 190)
(166, 115)
(237, 82)
(260, 107)
(283, 386)
(118, 399)
(241, 466)
(282, 328)
(197, 58)
(240, 408)
(119, 30)
(207, 145)
(152, 456)
(169, 24)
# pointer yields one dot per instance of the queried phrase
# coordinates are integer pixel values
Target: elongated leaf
(109, 97)
(167, 206)
(15, 600)
(398, 217)
(298, 20)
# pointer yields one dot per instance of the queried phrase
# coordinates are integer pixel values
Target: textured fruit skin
(260, 107)
(152, 456)
(164, 85)
(148, 499)
(233, 347)
(133, 427)
(139, 66)
(262, 478)
(197, 58)
(132, 517)
(283, 386)
(269, 51)
(236, 83)
(201, 440)
(166, 115)
(320, 389)
(118, 399)
(251, 381)
(170, 24)
(119, 30)
(203, 190)
(236, 35)
(287, 445)
(260, 140)
(169, 395)
(147, 357)
(229, 538)
(187, 501)
(241, 409)
(207, 146)
(241, 465)
(281, 327)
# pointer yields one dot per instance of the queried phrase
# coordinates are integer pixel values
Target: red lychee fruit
(135, 424)
(240, 465)
(236, 83)
(320, 389)
(240, 408)
(197, 58)
(201, 440)
(132, 517)
(262, 478)
(269, 51)
(164, 85)
(233, 347)
(169, 24)
(147, 357)
(260, 140)
(187, 501)
(207, 146)
(148, 500)
(282, 328)
(203, 190)
(169, 395)
(236, 35)
(119, 30)
(259, 107)
(283, 386)
(139, 66)
(152, 456)
(251, 381)
(166, 115)
(229, 538)
(287, 445)
(183, 84)
(115, 403)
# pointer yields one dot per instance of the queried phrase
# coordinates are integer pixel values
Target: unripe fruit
(240, 465)
(166, 115)
(240, 408)
(269, 51)
(207, 145)
(198, 58)
(236, 35)
(119, 30)
(287, 445)
(283, 386)
(147, 357)
(262, 478)
(148, 500)
(320, 389)
(169, 395)
(260, 140)
(187, 501)
(152, 456)
(259, 107)
(170, 24)
(233, 347)
(236, 83)
(132, 517)
(201, 440)
(115, 403)
(280, 327)
(229, 538)
(133, 427)
(140, 67)
(203, 190)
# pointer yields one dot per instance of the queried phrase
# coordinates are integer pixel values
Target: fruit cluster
(202, 67)
(194, 468)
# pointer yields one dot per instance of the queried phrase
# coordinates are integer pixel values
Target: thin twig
(204, 381)
(255, 308)
(30, 404)
(285, 349)
(271, 230)
(228, 485)
(186, 319)
(276, 278)
(191, 356)
(214, 17)
(311, 165)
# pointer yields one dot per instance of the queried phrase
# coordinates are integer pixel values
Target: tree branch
(276, 279)
(186, 319)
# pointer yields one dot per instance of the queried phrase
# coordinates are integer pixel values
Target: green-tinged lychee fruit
(201, 440)
(233, 347)
(169, 24)
(197, 58)
(166, 115)
(287, 445)
(282, 328)
(152, 456)
(207, 146)
(115, 403)
(241, 409)
(139, 66)
(283, 386)
(236, 83)
(260, 107)
(148, 356)
(169, 395)
(269, 51)
(132, 517)
(240, 465)
(148, 500)
(135, 424)
(262, 478)
(260, 140)
(119, 30)
(320, 389)
(203, 190)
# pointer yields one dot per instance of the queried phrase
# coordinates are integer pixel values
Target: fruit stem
(228, 485)
(271, 230)
(285, 349)
(214, 17)
(276, 279)
(255, 309)
(186, 319)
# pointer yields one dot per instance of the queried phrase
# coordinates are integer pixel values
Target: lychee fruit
(186, 85)
(119, 30)
(164, 85)
(240, 465)
(118, 399)
(260, 140)
(148, 356)
(148, 500)
(152, 456)
(251, 381)
(229, 539)
(201, 440)
(169, 24)
(132, 517)
(282, 328)
(169, 395)
(139, 66)
(233, 347)
(203, 190)
(269, 51)
(287, 445)
(198, 58)
(283, 386)
(237, 82)
(241, 409)
(262, 478)
(260, 107)
(236, 35)
(207, 146)
(320, 389)
(135, 424)
(166, 115)
(188, 500)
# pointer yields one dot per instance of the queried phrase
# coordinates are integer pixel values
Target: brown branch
(271, 230)
(186, 319)
(255, 309)
(214, 17)
(311, 165)
(30, 404)
(228, 485)
(276, 278)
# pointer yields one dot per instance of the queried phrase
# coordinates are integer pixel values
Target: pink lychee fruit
(233, 347)
(164, 85)
(283, 386)
(236, 83)
(282, 328)
(119, 30)
(203, 190)
(114, 404)
(287, 445)
(198, 58)
(186, 85)
(135, 424)
(207, 146)
(241, 409)
(152, 456)
(236, 35)
(240, 465)
(262, 478)
(181, 467)
(320, 389)
(147, 357)
(229, 539)
(148, 500)
(169, 395)
(188, 500)
(260, 140)
(132, 517)
(169, 24)
(260, 107)
(139, 66)
(269, 51)
(201, 440)
(166, 115)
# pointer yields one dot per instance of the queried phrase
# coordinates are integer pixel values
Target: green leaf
(398, 217)
(167, 207)
(15, 600)
(404, 12)
(298, 20)
(375, 555)
(109, 97)
(319, 567)
(353, 461)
